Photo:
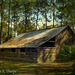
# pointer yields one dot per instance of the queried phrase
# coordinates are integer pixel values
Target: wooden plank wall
(17, 54)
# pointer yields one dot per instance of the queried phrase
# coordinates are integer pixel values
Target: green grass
(18, 60)
(33, 68)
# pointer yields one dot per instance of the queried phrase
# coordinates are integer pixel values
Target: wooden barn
(40, 46)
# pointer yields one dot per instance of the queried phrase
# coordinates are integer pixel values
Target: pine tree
(1, 4)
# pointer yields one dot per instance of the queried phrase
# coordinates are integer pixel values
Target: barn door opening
(50, 43)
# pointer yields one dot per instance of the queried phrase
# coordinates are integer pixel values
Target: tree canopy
(23, 15)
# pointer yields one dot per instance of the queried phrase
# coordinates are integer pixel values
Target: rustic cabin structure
(40, 46)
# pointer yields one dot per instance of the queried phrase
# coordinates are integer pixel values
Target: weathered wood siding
(65, 37)
(17, 54)
(8, 53)
(46, 54)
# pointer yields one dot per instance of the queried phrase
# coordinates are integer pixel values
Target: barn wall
(29, 54)
(43, 54)
(46, 54)
(49, 54)
(65, 37)
(7, 53)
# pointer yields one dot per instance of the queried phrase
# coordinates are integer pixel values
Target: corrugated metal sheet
(32, 39)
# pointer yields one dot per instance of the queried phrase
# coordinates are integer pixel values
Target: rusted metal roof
(32, 39)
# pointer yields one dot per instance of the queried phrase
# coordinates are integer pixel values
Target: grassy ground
(21, 68)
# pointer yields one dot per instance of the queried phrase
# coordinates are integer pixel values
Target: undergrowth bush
(67, 53)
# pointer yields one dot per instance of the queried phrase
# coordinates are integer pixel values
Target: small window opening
(28, 50)
(13, 50)
(33, 50)
(22, 50)
(2, 50)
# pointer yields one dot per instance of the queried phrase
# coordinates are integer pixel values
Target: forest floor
(21, 68)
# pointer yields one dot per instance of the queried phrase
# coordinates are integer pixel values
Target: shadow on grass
(21, 68)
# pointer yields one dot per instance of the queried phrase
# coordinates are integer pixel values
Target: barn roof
(32, 39)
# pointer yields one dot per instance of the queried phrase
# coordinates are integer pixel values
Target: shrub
(73, 52)
(67, 53)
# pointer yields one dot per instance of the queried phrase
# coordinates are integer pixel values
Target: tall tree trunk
(63, 14)
(50, 15)
(1, 22)
(61, 21)
(14, 29)
(25, 17)
(46, 18)
(53, 18)
(9, 20)
(37, 18)
(53, 13)
(64, 21)
(11, 27)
